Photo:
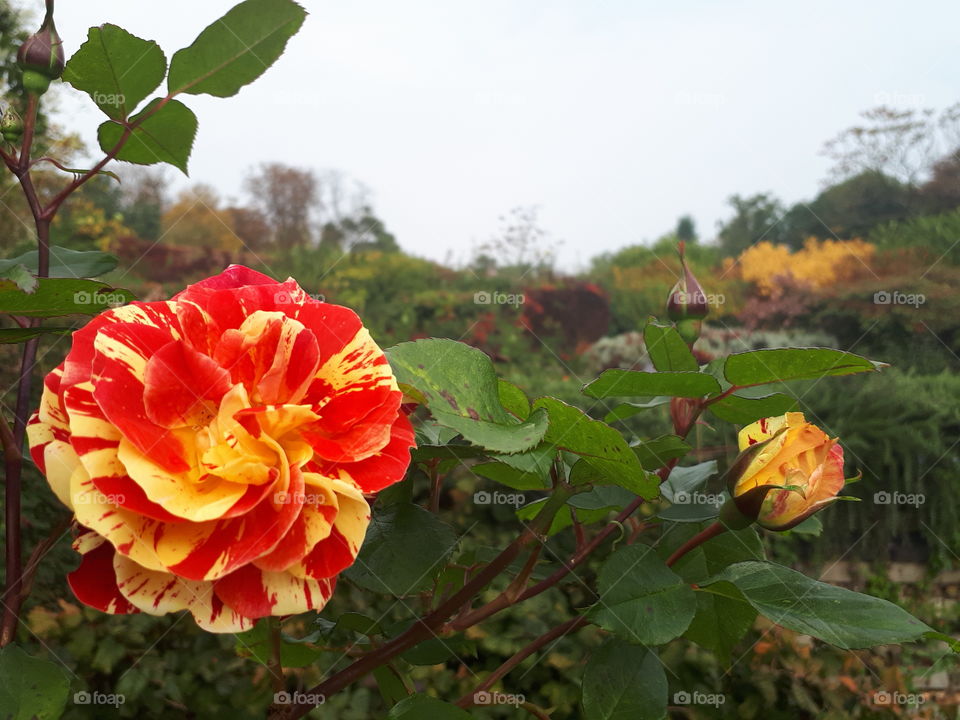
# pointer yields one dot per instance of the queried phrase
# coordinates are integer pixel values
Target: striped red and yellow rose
(217, 449)
(790, 470)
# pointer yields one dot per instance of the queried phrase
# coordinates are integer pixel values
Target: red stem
(558, 632)
(709, 532)
(430, 624)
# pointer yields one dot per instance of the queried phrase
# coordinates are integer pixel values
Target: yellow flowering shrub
(819, 264)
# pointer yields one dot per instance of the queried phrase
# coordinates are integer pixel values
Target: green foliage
(116, 69)
(164, 134)
(600, 446)
(668, 351)
(898, 428)
(66, 263)
(740, 409)
(460, 387)
(849, 209)
(784, 364)
(720, 622)
(755, 218)
(421, 706)
(935, 234)
(835, 615)
(30, 688)
(403, 551)
(624, 682)
(632, 383)
(641, 599)
(56, 297)
(236, 49)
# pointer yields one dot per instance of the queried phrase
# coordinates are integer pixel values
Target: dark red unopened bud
(687, 300)
(42, 55)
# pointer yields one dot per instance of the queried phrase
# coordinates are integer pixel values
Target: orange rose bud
(787, 470)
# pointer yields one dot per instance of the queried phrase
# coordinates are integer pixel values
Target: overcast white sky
(613, 117)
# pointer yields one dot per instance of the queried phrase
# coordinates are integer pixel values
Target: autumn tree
(250, 225)
(197, 219)
(287, 196)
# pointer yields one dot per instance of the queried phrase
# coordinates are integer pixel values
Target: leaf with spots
(459, 386)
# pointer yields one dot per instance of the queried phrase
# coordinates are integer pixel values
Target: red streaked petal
(255, 593)
(95, 582)
(181, 386)
(119, 368)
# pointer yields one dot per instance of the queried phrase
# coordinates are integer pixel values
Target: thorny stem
(434, 623)
(430, 624)
(43, 216)
(558, 632)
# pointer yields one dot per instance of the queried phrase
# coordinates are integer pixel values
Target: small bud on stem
(41, 56)
(687, 303)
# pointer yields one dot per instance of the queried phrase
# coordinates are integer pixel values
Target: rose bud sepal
(41, 57)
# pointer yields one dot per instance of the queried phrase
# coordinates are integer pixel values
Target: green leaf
(838, 616)
(56, 297)
(636, 383)
(236, 49)
(510, 476)
(459, 385)
(513, 399)
(760, 367)
(257, 645)
(418, 707)
(564, 517)
(21, 276)
(600, 445)
(604, 497)
(436, 650)
(745, 410)
(811, 526)
(667, 350)
(391, 685)
(404, 550)
(66, 263)
(625, 410)
(641, 599)
(537, 461)
(624, 682)
(166, 136)
(31, 688)
(720, 622)
(116, 69)
(687, 480)
(422, 453)
(10, 336)
(654, 454)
